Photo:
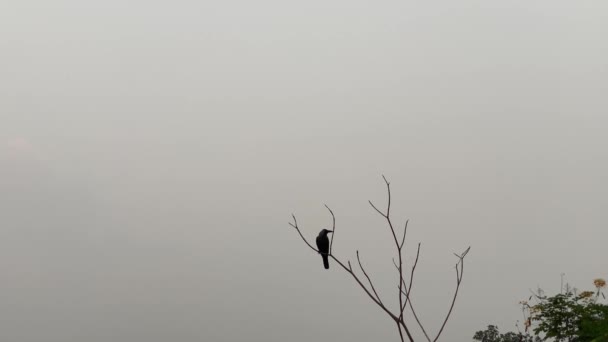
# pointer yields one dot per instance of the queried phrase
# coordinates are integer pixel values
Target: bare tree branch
(295, 225)
(379, 212)
(459, 274)
(412, 277)
(417, 321)
(349, 270)
(404, 233)
(404, 289)
(390, 224)
(388, 187)
(407, 291)
(400, 332)
(368, 279)
(333, 218)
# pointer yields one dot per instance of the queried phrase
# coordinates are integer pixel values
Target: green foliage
(558, 317)
(564, 317)
(491, 334)
(594, 323)
(568, 317)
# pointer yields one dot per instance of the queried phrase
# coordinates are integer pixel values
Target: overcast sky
(152, 153)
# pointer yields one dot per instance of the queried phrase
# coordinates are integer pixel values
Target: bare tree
(405, 285)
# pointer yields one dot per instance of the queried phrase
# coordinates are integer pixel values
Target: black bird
(323, 246)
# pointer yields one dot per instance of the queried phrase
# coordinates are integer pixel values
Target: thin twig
(368, 279)
(388, 206)
(412, 277)
(379, 212)
(333, 229)
(295, 225)
(459, 274)
(404, 233)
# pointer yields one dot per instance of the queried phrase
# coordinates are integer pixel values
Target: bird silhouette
(323, 246)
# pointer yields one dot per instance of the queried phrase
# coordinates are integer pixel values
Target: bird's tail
(325, 261)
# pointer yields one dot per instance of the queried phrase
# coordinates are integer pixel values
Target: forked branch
(459, 274)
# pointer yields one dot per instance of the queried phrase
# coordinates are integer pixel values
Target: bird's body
(323, 246)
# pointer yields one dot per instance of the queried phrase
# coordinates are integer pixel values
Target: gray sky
(151, 154)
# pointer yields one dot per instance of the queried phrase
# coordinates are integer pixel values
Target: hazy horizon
(152, 153)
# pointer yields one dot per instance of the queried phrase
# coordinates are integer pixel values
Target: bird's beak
(330, 231)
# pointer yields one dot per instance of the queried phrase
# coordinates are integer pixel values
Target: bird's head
(325, 231)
